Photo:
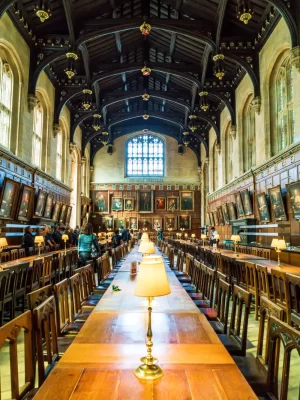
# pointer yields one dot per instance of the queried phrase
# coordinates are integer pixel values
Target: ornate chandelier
(42, 9)
(185, 133)
(204, 105)
(219, 70)
(145, 29)
(146, 96)
(96, 124)
(146, 71)
(193, 127)
(71, 70)
(87, 100)
(186, 140)
(244, 11)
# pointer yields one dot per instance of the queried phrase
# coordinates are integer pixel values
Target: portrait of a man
(108, 222)
(231, 211)
(128, 204)
(157, 223)
(263, 207)
(294, 193)
(48, 207)
(40, 205)
(220, 216)
(246, 202)
(121, 222)
(160, 203)
(170, 222)
(117, 204)
(56, 211)
(172, 203)
(184, 222)
(63, 213)
(25, 203)
(239, 206)
(146, 201)
(133, 223)
(9, 197)
(187, 201)
(277, 204)
(225, 214)
(69, 213)
(101, 202)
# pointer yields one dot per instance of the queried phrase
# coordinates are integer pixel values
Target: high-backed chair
(21, 272)
(264, 288)
(4, 279)
(252, 284)
(223, 298)
(21, 253)
(293, 293)
(14, 254)
(5, 256)
(280, 290)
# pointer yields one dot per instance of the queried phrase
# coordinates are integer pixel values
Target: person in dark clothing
(124, 234)
(116, 239)
(57, 237)
(74, 237)
(48, 237)
(28, 240)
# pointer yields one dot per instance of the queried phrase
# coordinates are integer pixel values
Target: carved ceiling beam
(70, 17)
(86, 61)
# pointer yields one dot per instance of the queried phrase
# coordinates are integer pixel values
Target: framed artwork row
(173, 222)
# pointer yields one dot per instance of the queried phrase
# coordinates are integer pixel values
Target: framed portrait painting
(128, 204)
(84, 209)
(239, 205)
(172, 203)
(184, 222)
(170, 222)
(40, 204)
(117, 204)
(277, 205)
(56, 211)
(63, 213)
(263, 210)
(212, 219)
(133, 223)
(108, 222)
(225, 214)
(216, 218)
(25, 203)
(220, 216)
(231, 211)
(101, 202)
(69, 213)
(246, 202)
(48, 206)
(187, 200)
(160, 203)
(120, 222)
(145, 201)
(294, 194)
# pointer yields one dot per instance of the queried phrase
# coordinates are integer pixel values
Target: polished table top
(100, 362)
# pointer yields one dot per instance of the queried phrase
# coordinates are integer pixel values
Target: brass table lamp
(279, 245)
(152, 281)
(235, 239)
(3, 243)
(203, 237)
(65, 238)
(39, 240)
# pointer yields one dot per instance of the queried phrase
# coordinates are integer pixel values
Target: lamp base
(149, 372)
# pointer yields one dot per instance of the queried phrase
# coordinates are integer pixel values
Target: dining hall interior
(150, 199)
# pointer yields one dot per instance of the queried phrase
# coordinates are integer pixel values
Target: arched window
(228, 154)
(59, 155)
(248, 135)
(6, 91)
(145, 156)
(37, 135)
(216, 166)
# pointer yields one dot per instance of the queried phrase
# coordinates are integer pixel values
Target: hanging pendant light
(145, 29)
(146, 96)
(186, 140)
(204, 104)
(146, 71)
(192, 126)
(96, 124)
(219, 70)
(146, 116)
(104, 139)
(185, 133)
(244, 11)
(87, 100)
(70, 71)
(42, 9)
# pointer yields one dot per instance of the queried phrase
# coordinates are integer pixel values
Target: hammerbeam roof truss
(111, 51)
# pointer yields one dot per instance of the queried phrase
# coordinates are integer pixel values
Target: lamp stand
(39, 247)
(65, 247)
(278, 252)
(235, 253)
(149, 369)
(1, 248)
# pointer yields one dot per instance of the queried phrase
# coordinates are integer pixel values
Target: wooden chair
(4, 279)
(207, 289)
(89, 299)
(9, 299)
(5, 256)
(293, 292)
(46, 337)
(78, 313)
(266, 253)
(11, 332)
(37, 297)
(280, 291)
(21, 253)
(47, 271)
(21, 272)
(284, 336)
(223, 296)
(14, 254)
(36, 275)
(254, 251)
(264, 288)
(31, 251)
(252, 284)
(236, 341)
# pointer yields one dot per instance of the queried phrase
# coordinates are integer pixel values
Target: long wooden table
(100, 362)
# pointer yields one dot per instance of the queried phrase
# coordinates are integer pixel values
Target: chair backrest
(263, 281)
(241, 302)
(62, 307)
(171, 256)
(254, 251)
(267, 309)
(21, 253)
(14, 254)
(85, 280)
(251, 277)
(31, 251)
(37, 297)
(281, 336)
(266, 253)
(36, 274)
(5, 256)
(75, 287)
(293, 292)
(47, 270)
(279, 286)
(208, 289)
(4, 279)
(11, 332)
(46, 337)
(223, 296)
(21, 270)
(188, 263)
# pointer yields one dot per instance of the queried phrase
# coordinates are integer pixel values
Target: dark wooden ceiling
(111, 50)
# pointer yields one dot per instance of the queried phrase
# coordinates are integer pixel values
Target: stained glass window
(145, 156)
(59, 152)
(37, 135)
(6, 91)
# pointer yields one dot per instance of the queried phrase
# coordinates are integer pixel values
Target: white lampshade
(152, 280)
(147, 247)
(65, 237)
(236, 238)
(193, 235)
(39, 239)
(145, 236)
(217, 236)
(203, 236)
(278, 243)
(3, 242)
(186, 235)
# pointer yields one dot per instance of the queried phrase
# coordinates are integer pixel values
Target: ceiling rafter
(70, 17)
